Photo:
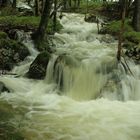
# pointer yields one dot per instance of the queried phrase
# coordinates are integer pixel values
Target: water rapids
(86, 95)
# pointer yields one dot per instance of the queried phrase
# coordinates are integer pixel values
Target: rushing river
(87, 96)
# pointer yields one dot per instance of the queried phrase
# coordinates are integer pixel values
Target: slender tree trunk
(74, 3)
(136, 17)
(14, 4)
(65, 4)
(86, 9)
(39, 35)
(78, 4)
(36, 8)
(55, 15)
(121, 32)
(70, 3)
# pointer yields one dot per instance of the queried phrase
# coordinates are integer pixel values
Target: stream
(86, 94)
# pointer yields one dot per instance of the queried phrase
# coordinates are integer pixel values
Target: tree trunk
(78, 4)
(136, 17)
(39, 35)
(65, 4)
(36, 8)
(55, 15)
(70, 4)
(121, 32)
(14, 4)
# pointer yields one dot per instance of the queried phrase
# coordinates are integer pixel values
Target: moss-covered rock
(134, 53)
(11, 53)
(38, 68)
(3, 88)
(91, 18)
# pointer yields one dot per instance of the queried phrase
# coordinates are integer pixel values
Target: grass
(26, 21)
(18, 21)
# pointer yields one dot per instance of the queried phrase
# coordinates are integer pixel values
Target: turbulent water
(86, 94)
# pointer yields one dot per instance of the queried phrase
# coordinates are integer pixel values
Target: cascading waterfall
(86, 95)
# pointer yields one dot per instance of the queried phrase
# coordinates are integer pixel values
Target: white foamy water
(86, 95)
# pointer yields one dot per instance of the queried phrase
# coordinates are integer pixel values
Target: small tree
(55, 15)
(121, 31)
(39, 35)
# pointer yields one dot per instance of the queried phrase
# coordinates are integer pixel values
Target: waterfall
(86, 94)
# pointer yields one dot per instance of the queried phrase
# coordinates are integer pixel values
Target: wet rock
(25, 9)
(11, 53)
(134, 53)
(91, 18)
(103, 31)
(3, 88)
(107, 38)
(38, 68)
(12, 34)
(63, 61)
(128, 45)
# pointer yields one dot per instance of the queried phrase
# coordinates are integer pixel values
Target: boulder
(11, 53)
(107, 38)
(91, 18)
(25, 9)
(128, 45)
(134, 53)
(3, 88)
(38, 68)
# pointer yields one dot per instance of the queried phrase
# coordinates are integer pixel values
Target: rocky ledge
(11, 52)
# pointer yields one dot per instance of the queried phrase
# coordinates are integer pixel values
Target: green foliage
(4, 43)
(128, 45)
(130, 36)
(114, 27)
(50, 26)
(8, 11)
(133, 36)
(3, 35)
(93, 7)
